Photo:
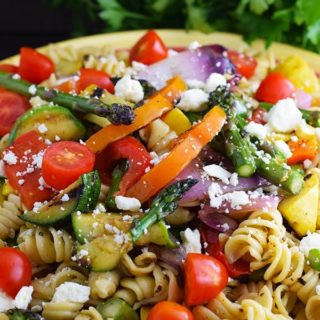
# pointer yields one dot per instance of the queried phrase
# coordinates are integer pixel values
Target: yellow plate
(176, 38)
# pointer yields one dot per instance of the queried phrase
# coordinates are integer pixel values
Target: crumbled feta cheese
(37, 101)
(307, 163)
(16, 76)
(32, 89)
(234, 181)
(57, 138)
(42, 128)
(21, 182)
(195, 84)
(237, 199)
(65, 198)
(6, 302)
(138, 66)
(172, 53)
(71, 292)
(129, 89)
(193, 100)
(10, 158)
(215, 80)
(194, 45)
(311, 241)
(216, 171)
(256, 130)
(294, 139)
(284, 116)
(125, 203)
(191, 240)
(23, 297)
(281, 146)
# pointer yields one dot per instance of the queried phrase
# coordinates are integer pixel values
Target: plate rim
(182, 37)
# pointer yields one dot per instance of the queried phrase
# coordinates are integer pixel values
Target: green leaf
(308, 11)
(313, 34)
(256, 6)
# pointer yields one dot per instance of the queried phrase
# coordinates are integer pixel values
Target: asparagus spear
(237, 148)
(165, 203)
(118, 172)
(116, 113)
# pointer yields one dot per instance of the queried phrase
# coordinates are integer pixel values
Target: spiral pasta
(158, 136)
(143, 264)
(9, 216)
(45, 245)
(103, 284)
(312, 308)
(61, 310)
(250, 239)
(89, 314)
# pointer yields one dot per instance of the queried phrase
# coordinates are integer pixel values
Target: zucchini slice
(57, 120)
(117, 309)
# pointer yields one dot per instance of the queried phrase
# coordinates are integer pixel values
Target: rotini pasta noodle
(143, 264)
(89, 314)
(44, 245)
(312, 308)
(9, 216)
(103, 284)
(61, 310)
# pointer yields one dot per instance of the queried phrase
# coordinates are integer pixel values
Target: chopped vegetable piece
(64, 162)
(12, 106)
(27, 151)
(301, 210)
(274, 87)
(149, 49)
(314, 258)
(9, 68)
(15, 270)
(99, 78)
(302, 150)
(116, 113)
(205, 277)
(169, 311)
(153, 108)
(189, 146)
(245, 64)
(165, 203)
(34, 66)
(117, 309)
(177, 121)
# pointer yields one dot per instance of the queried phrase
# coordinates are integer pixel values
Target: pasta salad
(159, 183)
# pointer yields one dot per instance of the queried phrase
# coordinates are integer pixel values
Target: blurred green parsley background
(292, 21)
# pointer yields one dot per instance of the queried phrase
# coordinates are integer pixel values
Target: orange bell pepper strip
(153, 108)
(302, 150)
(187, 148)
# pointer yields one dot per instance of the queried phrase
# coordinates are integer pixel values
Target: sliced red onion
(303, 99)
(173, 257)
(195, 64)
(217, 221)
(262, 202)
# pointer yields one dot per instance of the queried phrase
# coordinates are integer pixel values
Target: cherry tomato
(274, 87)
(258, 115)
(167, 310)
(34, 66)
(15, 270)
(12, 106)
(64, 162)
(149, 49)
(244, 64)
(127, 148)
(99, 78)
(8, 68)
(205, 277)
(25, 148)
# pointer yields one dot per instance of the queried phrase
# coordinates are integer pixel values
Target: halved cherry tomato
(8, 68)
(27, 151)
(274, 87)
(12, 106)
(205, 277)
(127, 148)
(69, 86)
(99, 78)
(167, 310)
(258, 115)
(149, 49)
(15, 270)
(244, 64)
(64, 162)
(34, 66)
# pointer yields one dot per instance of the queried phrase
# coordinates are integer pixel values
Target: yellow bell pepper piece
(144, 311)
(298, 71)
(7, 189)
(177, 121)
(301, 210)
